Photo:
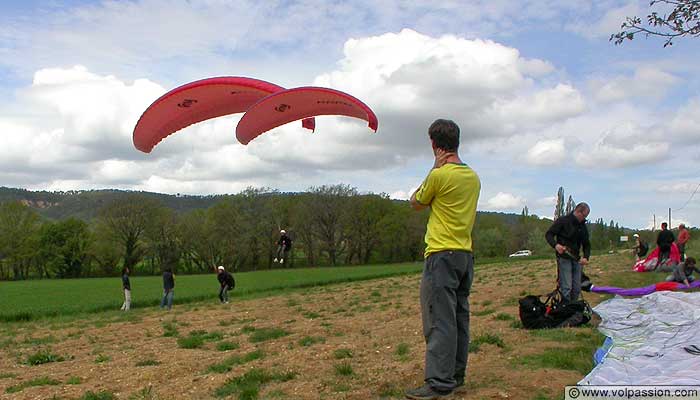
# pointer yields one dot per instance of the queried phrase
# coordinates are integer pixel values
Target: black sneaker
(425, 392)
(459, 386)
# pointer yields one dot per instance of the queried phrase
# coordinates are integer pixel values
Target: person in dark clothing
(683, 272)
(168, 289)
(284, 245)
(568, 235)
(227, 283)
(664, 241)
(126, 285)
(640, 247)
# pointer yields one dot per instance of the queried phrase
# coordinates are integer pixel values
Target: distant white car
(521, 253)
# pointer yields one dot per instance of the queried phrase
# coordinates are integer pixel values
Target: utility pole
(669, 218)
(653, 228)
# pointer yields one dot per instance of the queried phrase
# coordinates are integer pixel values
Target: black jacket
(285, 241)
(125, 282)
(665, 238)
(567, 231)
(168, 281)
(226, 279)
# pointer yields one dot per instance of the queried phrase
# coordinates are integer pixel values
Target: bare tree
(677, 18)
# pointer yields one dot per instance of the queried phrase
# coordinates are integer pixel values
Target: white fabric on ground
(649, 334)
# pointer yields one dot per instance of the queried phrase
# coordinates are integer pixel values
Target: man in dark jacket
(567, 235)
(664, 241)
(284, 245)
(126, 285)
(227, 283)
(168, 289)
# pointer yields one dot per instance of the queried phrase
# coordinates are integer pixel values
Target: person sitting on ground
(284, 245)
(640, 247)
(227, 283)
(683, 272)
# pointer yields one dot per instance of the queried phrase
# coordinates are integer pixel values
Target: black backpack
(553, 312)
(643, 249)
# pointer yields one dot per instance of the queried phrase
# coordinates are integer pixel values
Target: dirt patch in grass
(373, 348)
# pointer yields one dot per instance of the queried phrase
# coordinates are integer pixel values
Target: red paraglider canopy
(290, 105)
(198, 101)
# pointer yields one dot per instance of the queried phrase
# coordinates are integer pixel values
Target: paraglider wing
(293, 104)
(641, 291)
(196, 102)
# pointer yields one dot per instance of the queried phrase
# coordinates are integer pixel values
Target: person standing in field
(567, 235)
(227, 283)
(664, 241)
(126, 285)
(451, 191)
(168, 289)
(683, 237)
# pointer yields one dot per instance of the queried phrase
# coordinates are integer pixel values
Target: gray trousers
(569, 278)
(444, 294)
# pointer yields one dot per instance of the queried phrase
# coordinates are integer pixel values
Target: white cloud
(624, 145)
(546, 201)
(609, 23)
(685, 125)
(677, 187)
(505, 201)
(547, 152)
(647, 82)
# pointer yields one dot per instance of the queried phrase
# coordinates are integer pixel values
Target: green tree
(64, 248)
(19, 235)
(126, 221)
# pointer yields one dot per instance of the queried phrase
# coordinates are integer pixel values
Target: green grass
(265, 334)
(43, 357)
(488, 338)
(102, 294)
(503, 317)
(190, 342)
(101, 358)
(403, 351)
(344, 369)
(6, 375)
(74, 380)
(227, 364)
(42, 381)
(575, 357)
(102, 395)
(483, 312)
(196, 339)
(39, 341)
(170, 330)
(248, 386)
(226, 346)
(339, 354)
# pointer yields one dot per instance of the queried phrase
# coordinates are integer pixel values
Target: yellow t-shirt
(452, 192)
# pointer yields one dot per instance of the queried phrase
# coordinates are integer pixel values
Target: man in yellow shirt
(451, 190)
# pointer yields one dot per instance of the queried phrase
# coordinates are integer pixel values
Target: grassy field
(29, 300)
(290, 334)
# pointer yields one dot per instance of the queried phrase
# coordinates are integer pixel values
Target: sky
(542, 97)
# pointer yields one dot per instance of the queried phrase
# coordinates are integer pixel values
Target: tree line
(330, 225)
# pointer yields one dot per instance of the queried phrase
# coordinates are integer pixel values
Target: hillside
(84, 204)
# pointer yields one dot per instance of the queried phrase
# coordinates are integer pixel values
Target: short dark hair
(664, 224)
(445, 134)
